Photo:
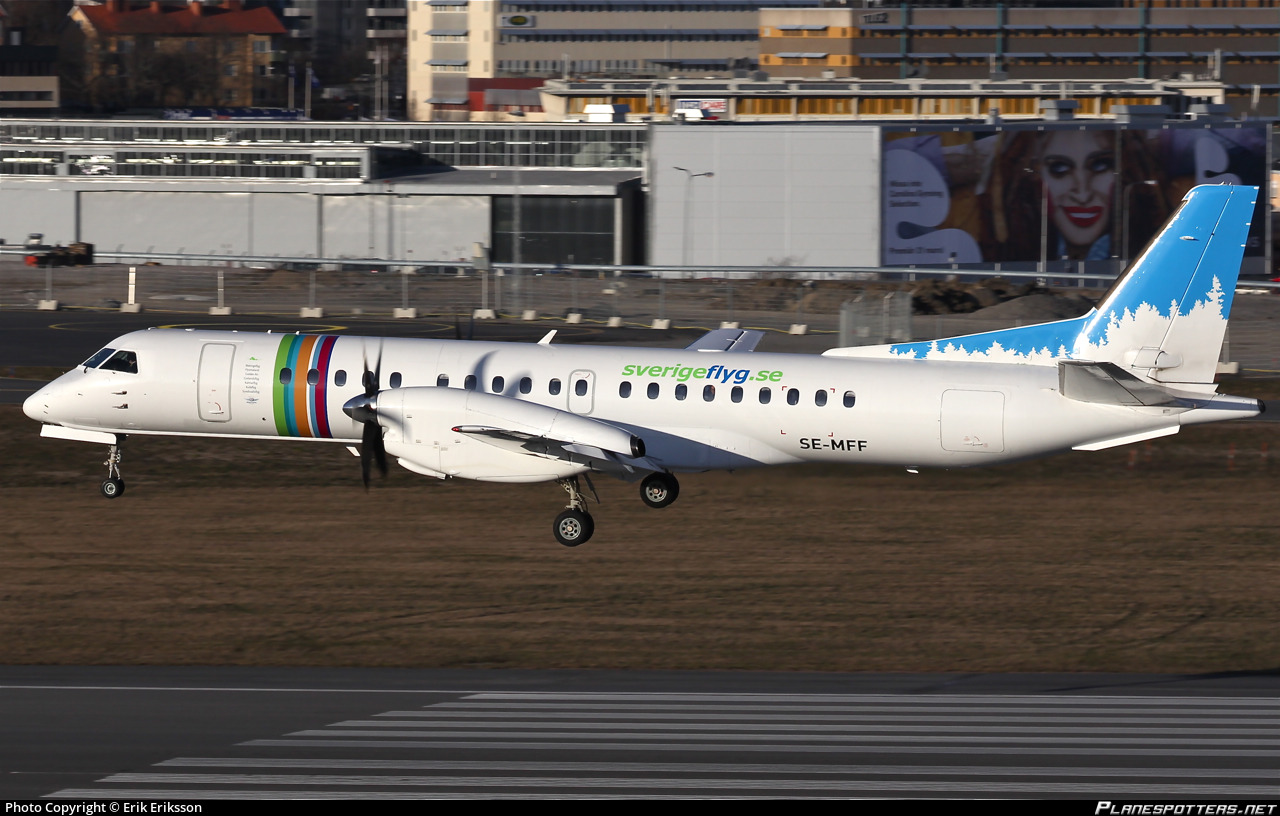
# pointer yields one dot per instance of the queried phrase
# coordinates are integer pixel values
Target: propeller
(364, 409)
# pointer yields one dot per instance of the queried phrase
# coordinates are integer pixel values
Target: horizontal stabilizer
(727, 340)
(1109, 384)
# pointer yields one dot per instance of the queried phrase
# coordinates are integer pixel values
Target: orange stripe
(301, 388)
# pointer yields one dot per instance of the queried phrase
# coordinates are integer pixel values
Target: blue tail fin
(1164, 320)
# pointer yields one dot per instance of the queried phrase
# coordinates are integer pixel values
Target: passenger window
(340, 378)
(820, 397)
(624, 389)
(470, 382)
(682, 391)
(736, 393)
(313, 377)
(125, 362)
(848, 399)
(499, 385)
(580, 388)
(526, 385)
(286, 376)
(654, 390)
(708, 392)
(793, 396)
(553, 387)
(396, 379)
(442, 381)
(765, 396)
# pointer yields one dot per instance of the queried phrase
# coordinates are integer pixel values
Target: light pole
(1124, 214)
(689, 176)
(1044, 218)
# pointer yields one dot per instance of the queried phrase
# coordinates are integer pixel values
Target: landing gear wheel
(573, 527)
(659, 489)
(112, 488)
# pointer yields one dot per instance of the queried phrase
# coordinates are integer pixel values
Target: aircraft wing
(727, 340)
(582, 453)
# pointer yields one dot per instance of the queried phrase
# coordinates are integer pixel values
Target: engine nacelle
(449, 432)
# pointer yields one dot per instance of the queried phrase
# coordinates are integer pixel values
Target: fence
(852, 312)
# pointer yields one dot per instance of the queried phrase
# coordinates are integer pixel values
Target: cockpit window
(125, 361)
(97, 359)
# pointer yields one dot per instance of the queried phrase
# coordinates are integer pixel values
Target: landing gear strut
(574, 526)
(659, 489)
(113, 487)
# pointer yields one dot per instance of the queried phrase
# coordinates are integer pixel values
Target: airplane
(1139, 366)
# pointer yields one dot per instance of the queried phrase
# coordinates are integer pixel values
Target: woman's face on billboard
(1077, 168)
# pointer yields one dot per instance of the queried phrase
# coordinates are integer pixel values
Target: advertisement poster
(987, 195)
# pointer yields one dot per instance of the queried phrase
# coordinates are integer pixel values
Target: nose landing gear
(113, 486)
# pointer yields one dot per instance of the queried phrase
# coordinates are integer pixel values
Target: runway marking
(912, 787)
(710, 767)
(573, 697)
(431, 716)
(970, 729)
(416, 730)
(799, 734)
(753, 747)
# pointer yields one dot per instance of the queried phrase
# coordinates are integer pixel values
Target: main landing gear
(574, 526)
(659, 489)
(113, 487)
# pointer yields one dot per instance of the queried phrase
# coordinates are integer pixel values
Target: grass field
(1157, 558)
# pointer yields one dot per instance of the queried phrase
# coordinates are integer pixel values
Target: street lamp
(1044, 219)
(1124, 214)
(689, 176)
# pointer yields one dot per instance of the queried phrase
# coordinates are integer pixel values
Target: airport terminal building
(1070, 194)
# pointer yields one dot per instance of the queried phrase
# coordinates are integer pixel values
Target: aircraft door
(213, 387)
(582, 387)
(972, 421)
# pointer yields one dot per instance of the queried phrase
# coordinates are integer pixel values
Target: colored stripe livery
(299, 397)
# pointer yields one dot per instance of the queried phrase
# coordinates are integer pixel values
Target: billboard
(1083, 192)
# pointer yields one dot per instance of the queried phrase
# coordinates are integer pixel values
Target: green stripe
(278, 389)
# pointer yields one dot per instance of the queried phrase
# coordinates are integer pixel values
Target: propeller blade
(373, 452)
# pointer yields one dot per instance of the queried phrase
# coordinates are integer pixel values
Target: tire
(659, 490)
(112, 488)
(573, 527)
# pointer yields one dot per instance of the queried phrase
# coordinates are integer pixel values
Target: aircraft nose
(36, 406)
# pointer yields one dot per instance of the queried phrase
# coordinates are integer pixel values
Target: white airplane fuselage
(693, 410)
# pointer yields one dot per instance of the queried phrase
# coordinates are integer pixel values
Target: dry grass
(271, 554)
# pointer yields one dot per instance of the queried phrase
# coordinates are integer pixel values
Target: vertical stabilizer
(1166, 318)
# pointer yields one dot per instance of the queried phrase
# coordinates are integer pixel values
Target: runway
(387, 734)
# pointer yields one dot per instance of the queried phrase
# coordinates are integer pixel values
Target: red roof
(181, 20)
